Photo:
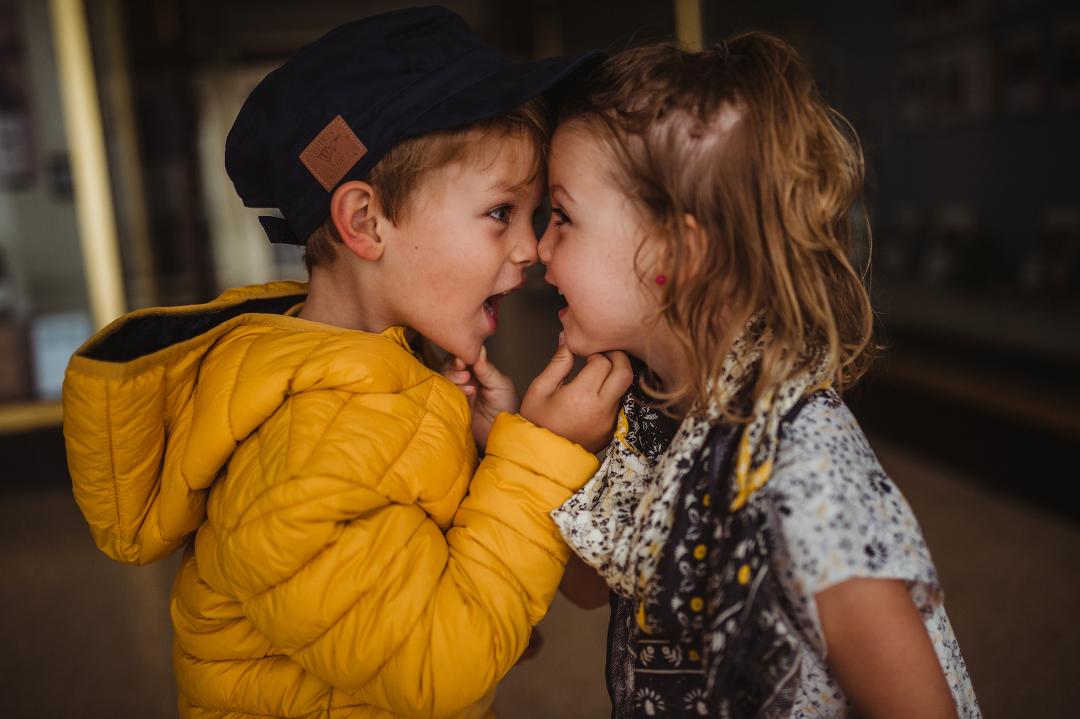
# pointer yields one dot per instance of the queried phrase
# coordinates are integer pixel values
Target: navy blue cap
(336, 107)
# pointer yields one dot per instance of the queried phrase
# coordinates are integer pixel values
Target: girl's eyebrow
(559, 189)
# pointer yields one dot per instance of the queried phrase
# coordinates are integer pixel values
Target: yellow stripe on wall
(688, 24)
(90, 173)
(27, 416)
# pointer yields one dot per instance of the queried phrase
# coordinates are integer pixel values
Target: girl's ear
(695, 250)
(696, 241)
(354, 208)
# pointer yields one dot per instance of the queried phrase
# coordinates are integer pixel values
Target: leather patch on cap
(332, 153)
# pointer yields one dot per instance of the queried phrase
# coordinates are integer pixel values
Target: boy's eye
(560, 217)
(502, 213)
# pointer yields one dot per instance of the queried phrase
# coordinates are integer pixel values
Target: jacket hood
(156, 402)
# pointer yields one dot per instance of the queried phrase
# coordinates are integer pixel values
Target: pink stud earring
(661, 279)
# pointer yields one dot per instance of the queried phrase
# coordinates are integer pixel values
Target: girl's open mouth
(563, 304)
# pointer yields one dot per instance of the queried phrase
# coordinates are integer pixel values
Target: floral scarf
(619, 522)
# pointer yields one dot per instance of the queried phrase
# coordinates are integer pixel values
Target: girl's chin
(578, 345)
(581, 344)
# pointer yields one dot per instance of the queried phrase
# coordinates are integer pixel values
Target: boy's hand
(585, 409)
(488, 390)
(583, 585)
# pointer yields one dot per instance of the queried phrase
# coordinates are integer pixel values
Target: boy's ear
(354, 208)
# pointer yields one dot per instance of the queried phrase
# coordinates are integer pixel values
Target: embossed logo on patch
(332, 153)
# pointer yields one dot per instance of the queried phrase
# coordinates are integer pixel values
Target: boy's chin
(471, 355)
(467, 348)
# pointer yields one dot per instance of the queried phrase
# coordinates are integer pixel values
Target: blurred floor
(1012, 585)
(86, 637)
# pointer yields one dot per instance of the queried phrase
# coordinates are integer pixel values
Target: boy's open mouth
(491, 306)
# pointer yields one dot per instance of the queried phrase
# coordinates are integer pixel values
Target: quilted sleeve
(350, 573)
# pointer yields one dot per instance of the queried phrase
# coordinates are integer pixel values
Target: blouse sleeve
(835, 515)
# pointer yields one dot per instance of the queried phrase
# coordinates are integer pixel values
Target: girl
(761, 562)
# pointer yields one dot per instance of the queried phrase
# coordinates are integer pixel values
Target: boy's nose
(524, 251)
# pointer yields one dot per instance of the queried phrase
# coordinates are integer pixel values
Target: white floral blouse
(730, 627)
(836, 515)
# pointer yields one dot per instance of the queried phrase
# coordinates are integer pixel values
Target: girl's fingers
(592, 375)
(458, 363)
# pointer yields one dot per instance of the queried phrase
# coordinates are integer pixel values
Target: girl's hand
(488, 390)
(880, 652)
(584, 410)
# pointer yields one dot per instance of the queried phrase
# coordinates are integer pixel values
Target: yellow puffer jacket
(338, 568)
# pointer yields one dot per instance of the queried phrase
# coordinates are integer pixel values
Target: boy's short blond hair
(401, 172)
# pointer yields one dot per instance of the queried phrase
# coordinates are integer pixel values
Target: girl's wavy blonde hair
(739, 138)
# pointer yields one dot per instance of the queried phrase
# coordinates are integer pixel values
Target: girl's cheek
(585, 267)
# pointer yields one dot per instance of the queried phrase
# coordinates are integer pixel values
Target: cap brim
(502, 91)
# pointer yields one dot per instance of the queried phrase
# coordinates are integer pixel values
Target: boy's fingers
(620, 377)
(557, 369)
(451, 363)
(488, 374)
(592, 375)
(457, 377)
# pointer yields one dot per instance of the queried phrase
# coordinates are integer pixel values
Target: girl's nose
(547, 242)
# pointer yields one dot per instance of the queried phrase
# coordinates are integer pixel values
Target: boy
(337, 568)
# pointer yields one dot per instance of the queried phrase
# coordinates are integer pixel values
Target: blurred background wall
(968, 111)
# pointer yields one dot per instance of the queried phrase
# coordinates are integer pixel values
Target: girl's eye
(559, 216)
(502, 213)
